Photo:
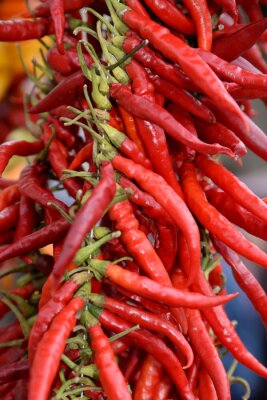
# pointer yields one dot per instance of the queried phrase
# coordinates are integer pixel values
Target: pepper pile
(130, 111)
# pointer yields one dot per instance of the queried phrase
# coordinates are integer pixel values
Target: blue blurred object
(253, 333)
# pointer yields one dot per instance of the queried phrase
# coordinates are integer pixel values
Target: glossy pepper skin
(110, 375)
(41, 379)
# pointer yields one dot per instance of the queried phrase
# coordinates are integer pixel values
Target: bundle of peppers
(130, 110)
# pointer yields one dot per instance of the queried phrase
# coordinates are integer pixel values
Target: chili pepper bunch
(130, 110)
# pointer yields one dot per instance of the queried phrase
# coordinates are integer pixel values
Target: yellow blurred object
(10, 65)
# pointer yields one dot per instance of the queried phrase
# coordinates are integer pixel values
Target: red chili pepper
(62, 133)
(233, 73)
(14, 371)
(48, 312)
(58, 160)
(254, 56)
(171, 16)
(226, 333)
(245, 279)
(236, 214)
(201, 15)
(126, 146)
(234, 45)
(17, 30)
(177, 51)
(19, 148)
(36, 240)
(233, 186)
(181, 97)
(201, 341)
(85, 220)
(130, 128)
(170, 201)
(11, 331)
(255, 139)
(153, 345)
(133, 364)
(163, 389)
(85, 154)
(110, 375)
(8, 217)
(43, 10)
(120, 345)
(137, 6)
(27, 218)
(167, 247)
(219, 133)
(230, 6)
(149, 378)
(144, 109)
(58, 17)
(147, 320)
(152, 290)
(46, 363)
(149, 59)
(29, 185)
(66, 91)
(206, 389)
(213, 221)
(9, 195)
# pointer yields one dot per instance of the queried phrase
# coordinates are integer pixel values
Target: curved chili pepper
(233, 73)
(17, 30)
(19, 148)
(230, 6)
(236, 214)
(27, 218)
(232, 185)
(181, 97)
(30, 186)
(201, 341)
(215, 222)
(110, 375)
(170, 201)
(149, 378)
(45, 364)
(58, 161)
(245, 279)
(153, 290)
(136, 241)
(58, 17)
(8, 217)
(143, 108)
(14, 371)
(148, 58)
(166, 228)
(201, 15)
(9, 195)
(126, 146)
(226, 333)
(177, 51)
(219, 133)
(206, 389)
(36, 240)
(130, 128)
(171, 16)
(154, 346)
(136, 6)
(85, 154)
(255, 139)
(47, 313)
(66, 91)
(85, 220)
(62, 133)
(147, 320)
(234, 45)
